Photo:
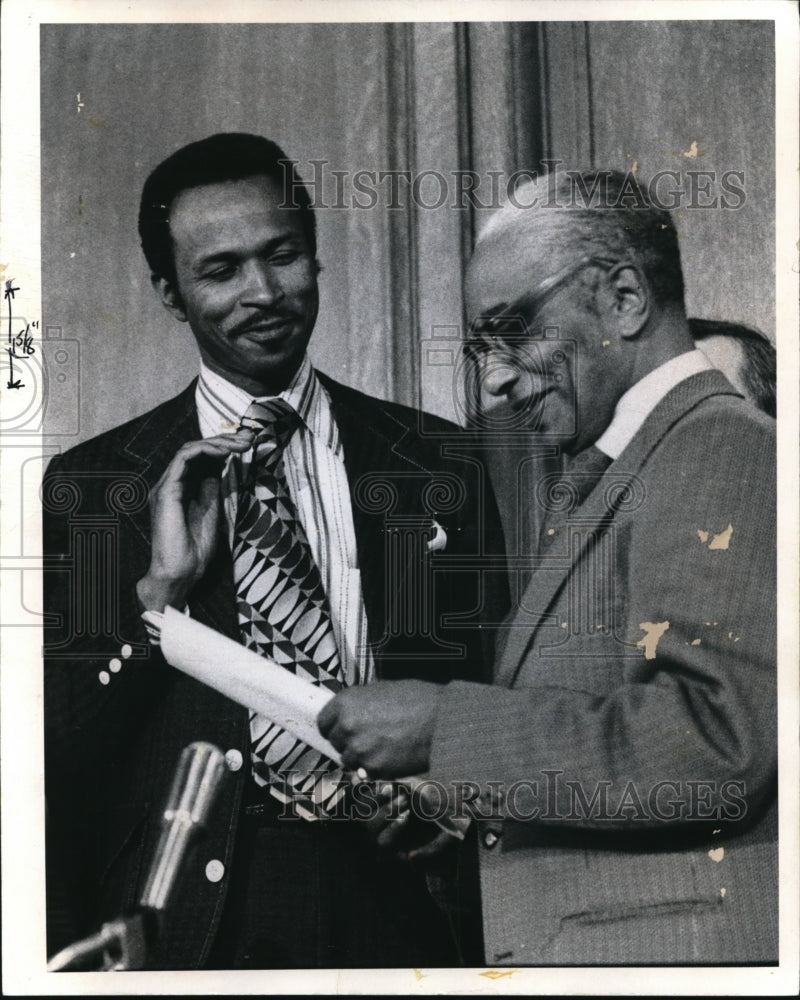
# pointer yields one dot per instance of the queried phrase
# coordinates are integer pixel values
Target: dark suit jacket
(115, 726)
(680, 530)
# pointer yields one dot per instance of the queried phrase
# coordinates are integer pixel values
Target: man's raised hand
(185, 509)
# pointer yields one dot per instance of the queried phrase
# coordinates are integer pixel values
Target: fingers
(388, 816)
(213, 450)
(442, 841)
(327, 719)
(185, 516)
(394, 835)
(208, 492)
(344, 721)
(389, 809)
(373, 729)
(396, 828)
(332, 723)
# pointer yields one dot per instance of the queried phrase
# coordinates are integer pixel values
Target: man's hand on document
(385, 728)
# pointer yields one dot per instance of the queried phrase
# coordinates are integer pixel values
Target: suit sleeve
(698, 705)
(102, 683)
(101, 671)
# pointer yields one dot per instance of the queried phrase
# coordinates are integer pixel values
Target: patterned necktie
(578, 477)
(283, 612)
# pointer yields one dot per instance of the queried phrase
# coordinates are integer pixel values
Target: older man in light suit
(621, 770)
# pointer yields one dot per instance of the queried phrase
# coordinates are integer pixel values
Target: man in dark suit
(345, 502)
(622, 768)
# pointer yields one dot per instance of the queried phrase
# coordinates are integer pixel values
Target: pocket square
(439, 540)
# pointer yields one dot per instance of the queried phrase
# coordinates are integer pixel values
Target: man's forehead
(201, 211)
(505, 265)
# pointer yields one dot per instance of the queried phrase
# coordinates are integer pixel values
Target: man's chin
(275, 377)
(265, 374)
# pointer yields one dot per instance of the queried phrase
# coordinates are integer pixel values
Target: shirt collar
(221, 404)
(636, 405)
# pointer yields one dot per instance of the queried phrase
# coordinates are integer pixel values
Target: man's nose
(498, 375)
(262, 285)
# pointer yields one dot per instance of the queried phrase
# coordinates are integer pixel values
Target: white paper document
(245, 677)
(260, 684)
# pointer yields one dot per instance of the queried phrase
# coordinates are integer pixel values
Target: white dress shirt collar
(636, 405)
(221, 404)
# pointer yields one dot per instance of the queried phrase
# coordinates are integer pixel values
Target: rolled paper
(246, 677)
(260, 684)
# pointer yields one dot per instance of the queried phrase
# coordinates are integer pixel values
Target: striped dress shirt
(317, 481)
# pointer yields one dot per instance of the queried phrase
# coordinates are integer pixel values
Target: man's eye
(504, 327)
(223, 272)
(475, 349)
(511, 328)
(285, 257)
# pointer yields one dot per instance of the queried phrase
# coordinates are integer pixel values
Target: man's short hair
(759, 359)
(599, 213)
(226, 156)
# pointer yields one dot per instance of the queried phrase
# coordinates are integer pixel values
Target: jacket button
(490, 839)
(215, 870)
(234, 760)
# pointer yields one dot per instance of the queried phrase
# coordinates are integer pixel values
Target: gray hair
(597, 213)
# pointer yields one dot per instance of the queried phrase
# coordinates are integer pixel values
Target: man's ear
(630, 299)
(167, 291)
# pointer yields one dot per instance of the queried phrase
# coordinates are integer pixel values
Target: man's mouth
(530, 403)
(266, 330)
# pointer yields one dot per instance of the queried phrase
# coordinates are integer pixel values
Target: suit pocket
(626, 884)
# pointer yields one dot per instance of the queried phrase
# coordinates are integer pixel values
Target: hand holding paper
(270, 690)
(246, 678)
(385, 727)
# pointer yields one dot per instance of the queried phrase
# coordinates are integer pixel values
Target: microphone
(122, 944)
(195, 785)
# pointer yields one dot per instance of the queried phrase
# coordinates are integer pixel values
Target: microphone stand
(119, 945)
(123, 944)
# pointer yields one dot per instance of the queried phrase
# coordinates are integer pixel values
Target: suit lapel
(597, 511)
(374, 445)
(153, 442)
(152, 446)
(593, 515)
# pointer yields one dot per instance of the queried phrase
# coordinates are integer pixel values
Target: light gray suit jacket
(674, 860)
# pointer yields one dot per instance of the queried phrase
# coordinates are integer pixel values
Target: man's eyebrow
(235, 253)
(486, 317)
(503, 312)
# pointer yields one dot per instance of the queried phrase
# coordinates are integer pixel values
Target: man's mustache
(272, 318)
